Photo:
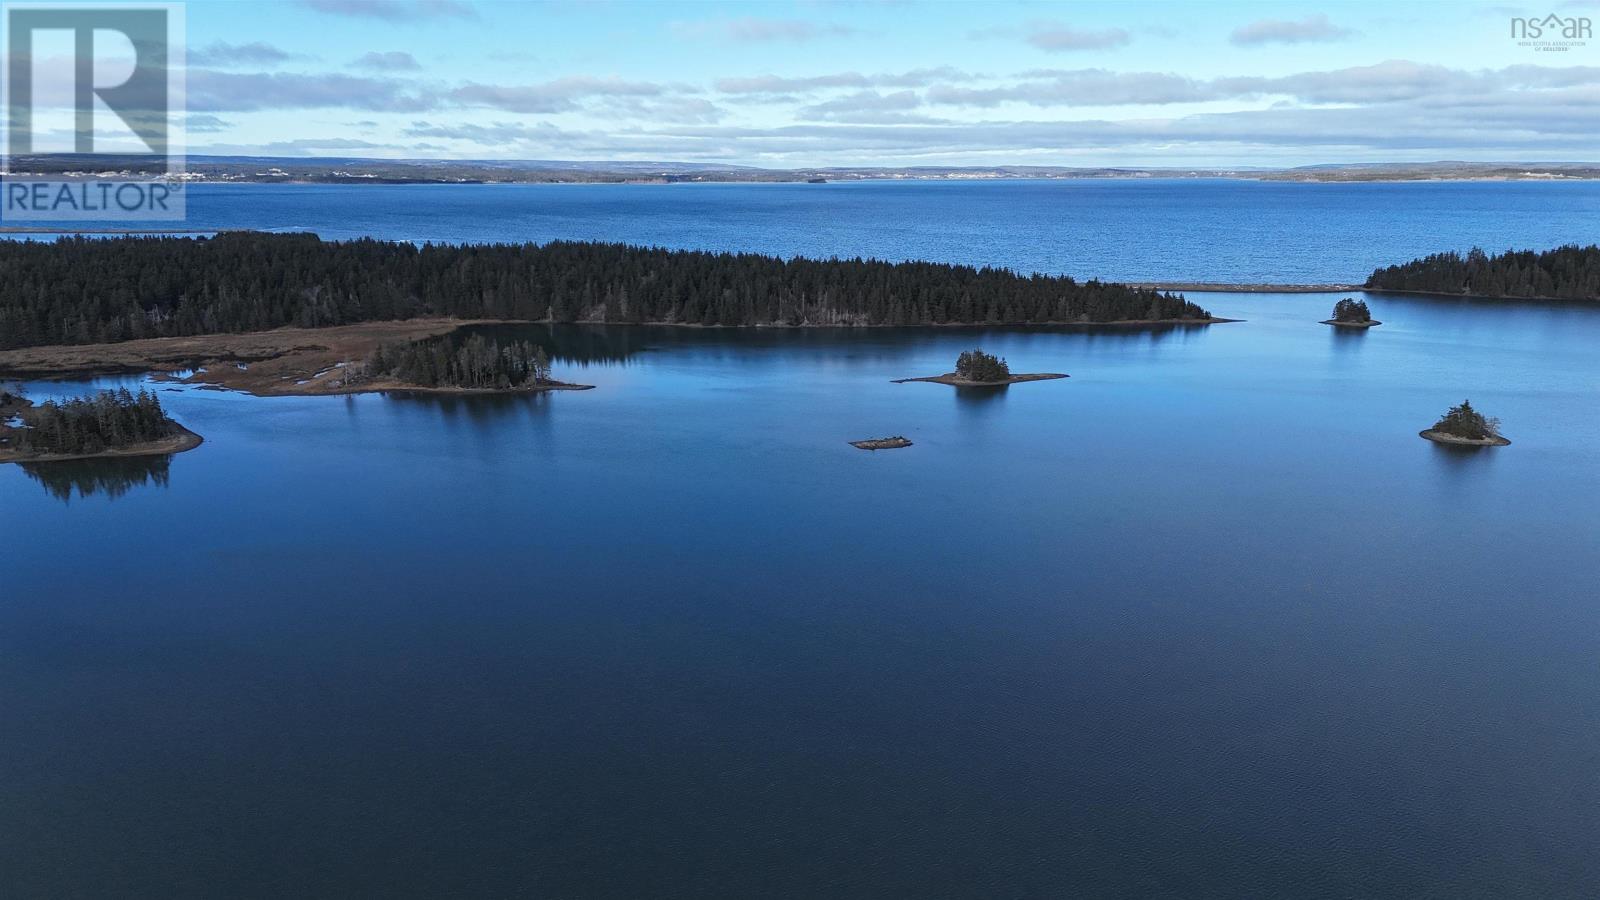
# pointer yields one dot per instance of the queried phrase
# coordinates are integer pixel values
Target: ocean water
(1221, 230)
(1205, 619)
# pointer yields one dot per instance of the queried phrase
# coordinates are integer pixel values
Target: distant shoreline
(1218, 287)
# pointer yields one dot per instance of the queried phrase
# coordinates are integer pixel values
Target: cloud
(1391, 108)
(213, 91)
(394, 10)
(1315, 28)
(868, 107)
(533, 138)
(750, 29)
(203, 123)
(1082, 87)
(1057, 37)
(223, 55)
(560, 95)
(1386, 82)
(389, 61)
(773, 84)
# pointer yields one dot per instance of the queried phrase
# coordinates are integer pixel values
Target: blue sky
(889, 83)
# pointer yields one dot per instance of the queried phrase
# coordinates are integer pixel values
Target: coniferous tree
(1465, 422)
(1351, 310)
(976, 365)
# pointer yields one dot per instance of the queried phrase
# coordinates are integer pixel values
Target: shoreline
(396, 387)
(953, 380)
(1450, 440)
(1220, 287)
(1338, 324)
(1450, 296)
(889, 443)
(181, 442)
(308, 361)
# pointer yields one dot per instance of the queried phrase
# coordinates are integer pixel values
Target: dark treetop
(976, 365)
(1568, 273)
(76, 290)
(1465, 422)
(1351, 310)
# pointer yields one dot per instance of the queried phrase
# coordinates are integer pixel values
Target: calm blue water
(1160, 229)
(1205, 619)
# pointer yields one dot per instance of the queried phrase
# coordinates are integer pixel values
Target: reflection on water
(1461, 457)
(1347, 339)
(477, 408)
(977, 397)
(87, 477)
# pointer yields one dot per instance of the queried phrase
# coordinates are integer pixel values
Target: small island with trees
(447, 365)
(108, 424)
(886, 443)
(1351, 313)
(1465, 426)
(975, 368)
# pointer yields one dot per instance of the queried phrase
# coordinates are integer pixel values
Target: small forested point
(109, 420)
(78, 290)
(1465, 422)
(1351, 310)
(976, 365)
(477, 362)
(1565, 273)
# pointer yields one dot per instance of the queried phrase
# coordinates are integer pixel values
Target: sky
(815, 83)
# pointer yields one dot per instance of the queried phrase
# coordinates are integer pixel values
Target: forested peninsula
(1565, 273)
(109, 290)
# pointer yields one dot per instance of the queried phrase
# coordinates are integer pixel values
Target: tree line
(106, 421)
(92, 290)
(477, 362)
(1568, 273)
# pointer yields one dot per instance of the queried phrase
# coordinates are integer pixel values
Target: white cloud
(1282, 31)
(389, 61)
(1058, 37)
(394, 10)
(751, 29)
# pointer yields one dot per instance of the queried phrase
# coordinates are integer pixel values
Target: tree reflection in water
(88, 477)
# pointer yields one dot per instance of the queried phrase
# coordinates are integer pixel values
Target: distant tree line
(90, 290)
(976, 365)
(1571, 273)
(106, 421)
(1351, 310)
(1465, 422)
(477, 362)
